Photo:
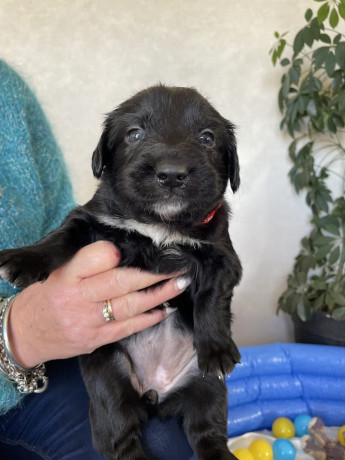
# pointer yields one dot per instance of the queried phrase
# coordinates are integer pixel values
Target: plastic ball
(341, 435)
(243, 454)
(301, 423)
(261, 449)
(283, 449)
(283, 428)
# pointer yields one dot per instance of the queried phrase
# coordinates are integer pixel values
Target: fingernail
(182, 282)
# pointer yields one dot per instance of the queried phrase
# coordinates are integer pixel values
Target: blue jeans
(55, 425)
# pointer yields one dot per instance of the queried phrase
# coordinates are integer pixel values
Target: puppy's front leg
(116, 410)
(217, 352)
(26, 265)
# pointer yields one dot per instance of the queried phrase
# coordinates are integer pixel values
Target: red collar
(210, 216)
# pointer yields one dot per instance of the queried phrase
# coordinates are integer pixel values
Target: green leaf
(302, 104)
(281, 103)
(337, 80)
(322, 13)
(322, 252)
(307, 262)
(320, 55)
(337, 39)
(277, 52)
(304, 310)
(291, 302)
(334, 256)
(316, 84)
(319, 302)
(294, 74)
(341, 9)
(305, 151)
(315, 28)
(306, 243)
(301, 278)
(339, 314)
(326, 221)
(330, 300)
(333, 230)
(331, 125)
(308, 36)
(285, 85)
(325, 38)
(334, 18)
(318, 284)
(292, 149)
(285, 62)
(311, 108)
(322, 240)
(338, 120)
(330, 64)
(340, 299)
(341, 101)
(308, 14)
(318, 123)
(340, 55)
(298, 42)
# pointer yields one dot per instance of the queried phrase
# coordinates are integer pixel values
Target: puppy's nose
(171, 174)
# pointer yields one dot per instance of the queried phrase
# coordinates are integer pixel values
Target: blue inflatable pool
(284, 380)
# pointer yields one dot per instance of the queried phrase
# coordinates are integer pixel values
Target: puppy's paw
(22, 267)
(218, 358)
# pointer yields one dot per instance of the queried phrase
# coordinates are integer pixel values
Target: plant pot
(320, 329)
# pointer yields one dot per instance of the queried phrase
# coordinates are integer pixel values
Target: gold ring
(108, 311)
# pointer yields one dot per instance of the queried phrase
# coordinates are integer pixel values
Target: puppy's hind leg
(203, 406)
(116, 411)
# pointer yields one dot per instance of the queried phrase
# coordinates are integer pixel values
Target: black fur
(167, 179)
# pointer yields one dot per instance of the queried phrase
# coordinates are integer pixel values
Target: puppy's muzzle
(171, 174)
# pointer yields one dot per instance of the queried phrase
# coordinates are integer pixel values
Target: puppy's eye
(206, 138)
(135, 135)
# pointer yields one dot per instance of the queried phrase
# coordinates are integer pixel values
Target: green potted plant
(312, 101)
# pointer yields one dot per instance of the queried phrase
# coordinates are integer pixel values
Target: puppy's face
(167, 154)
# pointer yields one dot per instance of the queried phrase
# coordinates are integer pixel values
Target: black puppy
(164, 159)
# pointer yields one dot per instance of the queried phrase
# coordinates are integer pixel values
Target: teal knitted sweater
(35, 192)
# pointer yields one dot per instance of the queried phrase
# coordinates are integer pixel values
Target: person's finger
(117, 330)
(91, 260)
(135, 303)
(119, 282)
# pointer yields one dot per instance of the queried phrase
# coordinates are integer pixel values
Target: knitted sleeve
(35, 191)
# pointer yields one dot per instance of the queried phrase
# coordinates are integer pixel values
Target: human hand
(63, 316)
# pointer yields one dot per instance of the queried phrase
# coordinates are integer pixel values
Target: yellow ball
(243, 454)
(283, 428)
(261, 449)
(341, 435)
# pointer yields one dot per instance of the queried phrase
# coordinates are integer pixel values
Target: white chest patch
(162, 358)
(160, 234)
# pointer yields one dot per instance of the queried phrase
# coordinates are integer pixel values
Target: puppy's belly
(162, 358)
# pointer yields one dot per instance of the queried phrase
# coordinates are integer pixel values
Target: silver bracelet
(27, 380)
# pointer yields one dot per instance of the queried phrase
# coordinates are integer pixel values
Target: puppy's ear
(100, 155)
(234, 167)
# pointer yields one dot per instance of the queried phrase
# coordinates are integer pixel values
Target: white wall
(83, 57)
